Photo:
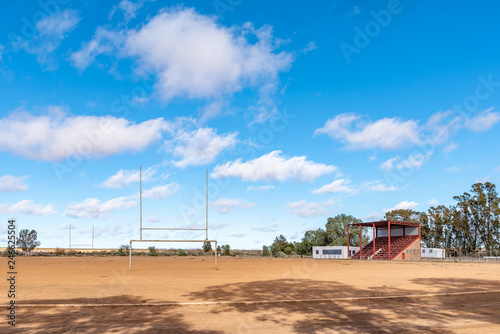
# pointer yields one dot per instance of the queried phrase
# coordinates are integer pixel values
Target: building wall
(435, 253)
(412, 253)
(320, 252)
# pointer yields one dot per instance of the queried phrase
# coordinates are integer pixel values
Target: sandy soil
(188, 280)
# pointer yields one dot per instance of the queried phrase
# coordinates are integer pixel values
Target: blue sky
(298, 112)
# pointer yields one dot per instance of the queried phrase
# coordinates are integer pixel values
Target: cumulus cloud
(160, 192)
(124, 177)
(386, 133)
(305, 209)
(27, 207)
(198, 58)
(273, 167)
(227, 205)
(337, 186)
(404, 205)
(56, 136)
(9, 183)
(194, 56)
(95, 209)
(199, 147)
(51, 31)
(482, 122)
(414, 161)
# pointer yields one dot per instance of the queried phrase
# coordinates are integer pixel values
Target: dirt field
(253, 296)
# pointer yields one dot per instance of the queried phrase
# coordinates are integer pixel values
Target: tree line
(471, 224)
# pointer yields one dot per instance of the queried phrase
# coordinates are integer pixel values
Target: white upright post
(206, 213)
(130, 257)
(140, 191)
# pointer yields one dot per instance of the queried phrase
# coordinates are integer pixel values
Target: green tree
(411, 216)
(280, 245)
(152, 251)
(336, 231)
(226, 250)
(265, 251)
(27, 240)
(181, 252)
(207, 247)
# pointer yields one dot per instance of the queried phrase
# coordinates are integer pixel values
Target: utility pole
(140, 191)
(206, 213)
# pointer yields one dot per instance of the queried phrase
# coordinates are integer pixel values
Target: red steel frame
(373, 225)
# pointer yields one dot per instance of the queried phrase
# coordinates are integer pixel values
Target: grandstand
(392, 240)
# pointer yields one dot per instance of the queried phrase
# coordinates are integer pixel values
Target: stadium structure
(392, 240)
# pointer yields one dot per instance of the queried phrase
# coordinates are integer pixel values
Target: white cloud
(441, 126)
(2, 50)
(124, 177)
(405, 205)
(450, 147)
(388, 165)
(56, 136)
(128, 8)
(52, 30)
(482, 122)
(433, 202)
(305, 209)
(261, 188)
(9, 183)
(337, 186)
(310, 47)
(378, 186)
(374, 216)
(386, 133)
(162, 191)
(414, 161)
(199, 147)
(227, 205)
(273, 167)
(194, 56)
(94, 208)
(104, 41)
(27, 207)
(452, 169)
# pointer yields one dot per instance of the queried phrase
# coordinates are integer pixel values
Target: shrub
(181, 252)
(226, 249)
(60, 251)
(152, 251)
(265, 251)
(123, 250)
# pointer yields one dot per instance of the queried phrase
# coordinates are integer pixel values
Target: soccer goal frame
(141, 228)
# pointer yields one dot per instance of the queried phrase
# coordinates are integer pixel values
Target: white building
(434, 253)
(333, 252)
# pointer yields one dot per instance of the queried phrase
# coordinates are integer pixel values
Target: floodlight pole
(206, 209)
(92, 237)
(69, 236)
(140, 194)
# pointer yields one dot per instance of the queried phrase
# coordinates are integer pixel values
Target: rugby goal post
(171, 228)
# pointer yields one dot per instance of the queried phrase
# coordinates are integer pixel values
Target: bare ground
(107, 280)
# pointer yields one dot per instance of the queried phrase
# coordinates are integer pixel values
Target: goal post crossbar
(176, 241)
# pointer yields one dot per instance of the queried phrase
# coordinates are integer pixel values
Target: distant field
(254, 295)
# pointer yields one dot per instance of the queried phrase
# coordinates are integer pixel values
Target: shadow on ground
(112, 319)
(396, 315)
